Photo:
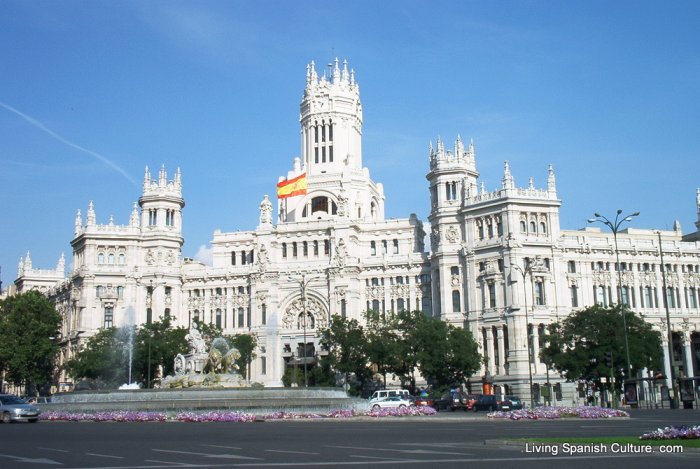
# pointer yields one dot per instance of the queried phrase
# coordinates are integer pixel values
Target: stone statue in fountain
(202, 368)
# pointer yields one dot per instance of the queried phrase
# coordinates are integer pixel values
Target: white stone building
(495, 258)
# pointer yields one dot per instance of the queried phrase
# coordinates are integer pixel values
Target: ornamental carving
(399, 291)
(455, 280)
(340, 293)
(452, 234)
(601, 278)
(316, 315)
(262, 258)
(340, 254)
(434, 237)
(375, 292)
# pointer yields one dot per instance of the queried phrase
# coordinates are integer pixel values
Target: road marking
(291, 452)
(206, 455)
(104, 455)
(54, 449)
(31, 460)
(225, 447)
(397, 460)
(407, 451)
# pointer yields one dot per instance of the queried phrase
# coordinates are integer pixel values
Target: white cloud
(204, 255)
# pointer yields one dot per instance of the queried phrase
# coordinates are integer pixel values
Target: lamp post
(524, 272)
(615, 227)
(668, 324)
(303, 283)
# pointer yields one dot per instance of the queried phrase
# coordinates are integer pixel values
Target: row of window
(385, 247)
(111, 258)
(485, 227)
(648, 296)
(219, 291)
(323, 150)
(397, 280)
(245, 257)
(305, 248)
(532, 228)
(240, 318)
(601, 266)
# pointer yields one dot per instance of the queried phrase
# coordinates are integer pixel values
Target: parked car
(516, 402)
(452, 400)
(384, 393)
(423, 401)
(491, 403)
(390, 402)
(14, 409)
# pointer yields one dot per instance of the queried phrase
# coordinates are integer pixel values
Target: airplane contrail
(61, 139)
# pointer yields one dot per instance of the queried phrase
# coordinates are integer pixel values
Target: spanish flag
(292, 187)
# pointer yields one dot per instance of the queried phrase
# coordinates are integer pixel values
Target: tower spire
(508, 182)
(78, 223)
(91, 218)
(551, 180)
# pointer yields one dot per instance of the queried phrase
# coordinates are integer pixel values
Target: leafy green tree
(382, 343)
(157, 345)
(347, 353)
(578, 343)
(29, 326)
(246, 344)
(104, 359)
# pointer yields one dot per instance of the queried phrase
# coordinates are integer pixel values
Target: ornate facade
(498, 260)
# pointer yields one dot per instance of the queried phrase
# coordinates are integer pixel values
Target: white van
(384, 393)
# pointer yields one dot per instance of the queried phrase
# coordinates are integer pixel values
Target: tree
(578, 344)
(103, 358)
(29, 327)
(246, 344)
(345, 341)
(382, 343)
(157, 344)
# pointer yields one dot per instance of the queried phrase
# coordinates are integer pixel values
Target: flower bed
(225, 416)
(673, 433)
(552, 413)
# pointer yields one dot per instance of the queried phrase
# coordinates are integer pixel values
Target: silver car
(13, 409)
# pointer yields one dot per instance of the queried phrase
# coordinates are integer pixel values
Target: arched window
(533, 227)
(480, 229)
(373, 209)
(120, 292)
(400, 304)
(490, 227)
(122, 259)
(319, 204)
(110, 259)
(543, 228)
(523, 226)
(101, 258)
(456, 301)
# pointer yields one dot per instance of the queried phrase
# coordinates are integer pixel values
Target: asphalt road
(446, 441)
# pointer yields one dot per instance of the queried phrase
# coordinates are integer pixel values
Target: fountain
(199, 368)
(129, 327)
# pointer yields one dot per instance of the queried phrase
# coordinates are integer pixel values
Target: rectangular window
(343, 308)
(396, 246)
(330, 153)
(326, 247)
(263, 314)
(316, 248)
(294, 249)
(315, 154)
(574, 296)
(373, 248)
(306, 249)
(109, 316)
(263, 365)
(492, 295)
(539, 293)
(241, 317)
(284, 250)
(625, 295)
(233, 257)
(385, 248)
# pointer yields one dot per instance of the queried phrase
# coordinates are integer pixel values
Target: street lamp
(524, 272)
(614, 227)
(303, 283)
(668, 324)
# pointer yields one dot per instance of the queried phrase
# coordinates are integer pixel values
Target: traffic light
(608, 359)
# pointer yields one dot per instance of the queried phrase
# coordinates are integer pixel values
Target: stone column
(501, 352)
(687, 355)
(667, 363)
(489, 347)
(535, 349)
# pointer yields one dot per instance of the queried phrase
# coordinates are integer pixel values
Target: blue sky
(93, 91)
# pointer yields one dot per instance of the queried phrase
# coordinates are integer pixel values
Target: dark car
(452, 400)
(423, 401)
(516, 402)
(491, 403)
